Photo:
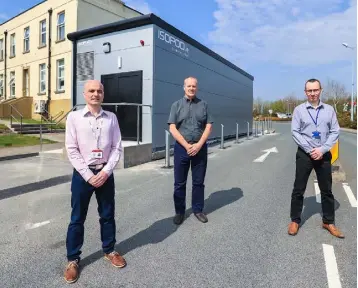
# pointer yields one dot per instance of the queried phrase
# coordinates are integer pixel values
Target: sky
(282, 43)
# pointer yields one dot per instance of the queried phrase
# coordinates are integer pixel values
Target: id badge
(97, 154)
(316, 135)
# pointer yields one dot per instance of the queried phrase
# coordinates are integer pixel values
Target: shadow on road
(311, 207)
(27, 188)
(162, 229)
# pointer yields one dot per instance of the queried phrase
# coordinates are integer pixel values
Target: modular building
(144, 60)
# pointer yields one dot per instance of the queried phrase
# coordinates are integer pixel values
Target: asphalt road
(244, 244)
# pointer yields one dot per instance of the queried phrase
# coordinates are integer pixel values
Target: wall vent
(85, 66)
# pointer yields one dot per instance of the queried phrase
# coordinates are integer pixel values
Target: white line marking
(36, 225)
(56, 151)
(211, 155)
(318, 192)
(350, 194)
(267, 152)
(331, 267)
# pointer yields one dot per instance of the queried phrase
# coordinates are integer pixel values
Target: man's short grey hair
(190, 77)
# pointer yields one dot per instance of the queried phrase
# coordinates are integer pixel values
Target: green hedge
(344, 120)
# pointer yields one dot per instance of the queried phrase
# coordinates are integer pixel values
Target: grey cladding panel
(85, 66)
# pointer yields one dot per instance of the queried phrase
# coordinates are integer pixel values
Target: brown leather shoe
(116, 259)
(333, 230)
(292, 228)
(71, 272)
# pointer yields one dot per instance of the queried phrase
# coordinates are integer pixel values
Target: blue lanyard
(315, 122)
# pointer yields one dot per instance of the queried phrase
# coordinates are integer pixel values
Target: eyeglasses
(315, 91)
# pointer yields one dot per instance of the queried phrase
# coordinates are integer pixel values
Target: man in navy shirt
(315, 130)
(190, 123)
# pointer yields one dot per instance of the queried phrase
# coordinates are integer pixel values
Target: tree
(334, 93)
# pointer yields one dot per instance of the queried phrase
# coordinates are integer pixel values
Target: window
(1, 85)
(12, 84)
(42, 78)
(1, 49)
(61, 75)
(27, 39)
(43, 33)
(61, 26)
(12, 45)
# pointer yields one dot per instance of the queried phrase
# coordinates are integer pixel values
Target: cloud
(284, 31)
(139, 5)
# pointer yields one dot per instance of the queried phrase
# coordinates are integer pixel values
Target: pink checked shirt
(81, 140)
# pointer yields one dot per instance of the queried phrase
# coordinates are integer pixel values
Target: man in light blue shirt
(315, 130)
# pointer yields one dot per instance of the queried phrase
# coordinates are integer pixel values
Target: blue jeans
(81, 195)
(182, 162)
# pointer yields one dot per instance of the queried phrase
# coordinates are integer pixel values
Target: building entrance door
(125, 88)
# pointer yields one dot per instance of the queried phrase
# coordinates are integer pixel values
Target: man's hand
(195, 148)
(99, 179)
(316, 154)
(188, 147)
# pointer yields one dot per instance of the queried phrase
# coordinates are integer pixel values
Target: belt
(97, 166)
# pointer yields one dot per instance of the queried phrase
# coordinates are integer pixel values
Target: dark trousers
(323, 169)
(182, 163)
(81, 195)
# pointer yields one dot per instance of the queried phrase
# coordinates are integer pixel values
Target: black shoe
(201, 217)
(178, 219)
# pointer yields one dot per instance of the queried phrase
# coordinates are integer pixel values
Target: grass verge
(17, 140)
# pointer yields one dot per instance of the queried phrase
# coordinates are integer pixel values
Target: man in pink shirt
(94, 147)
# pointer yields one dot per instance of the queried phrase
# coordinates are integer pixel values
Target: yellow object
(335, 152)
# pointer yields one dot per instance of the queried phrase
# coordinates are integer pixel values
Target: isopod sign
(177, 45)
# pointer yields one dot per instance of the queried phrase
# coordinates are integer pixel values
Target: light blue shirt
(303, 126)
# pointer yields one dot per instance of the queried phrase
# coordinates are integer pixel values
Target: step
(15, 126)
(18, 129)
(37, 131)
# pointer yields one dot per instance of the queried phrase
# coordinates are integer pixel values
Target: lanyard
(96, 137)
(315, 122)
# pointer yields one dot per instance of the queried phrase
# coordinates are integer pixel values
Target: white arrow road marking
(267, 152)
(318, 192)
(36, 225)
(350, 194)
(331, 267)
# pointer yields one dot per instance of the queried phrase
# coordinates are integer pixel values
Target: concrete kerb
(338, 173)
(19, 156)
(353, 131)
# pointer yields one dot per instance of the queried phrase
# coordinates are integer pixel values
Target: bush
(273, 119)
(344, 120)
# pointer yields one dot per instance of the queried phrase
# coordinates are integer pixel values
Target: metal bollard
(265, 123)
(138, 119)
(256, 128)
(262, 128)
(167, 149)
(41, 137)
(268, 126)
(248, 130)
(222, 137)
(237, 133)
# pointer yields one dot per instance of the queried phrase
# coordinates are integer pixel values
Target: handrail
(12, 116)
(115, 104)
(16, 110)
(73, 108)
(57, 115)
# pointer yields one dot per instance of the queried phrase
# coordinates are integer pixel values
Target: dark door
(125, 88)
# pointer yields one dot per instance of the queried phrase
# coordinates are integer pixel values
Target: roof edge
(23, 12)
(111, 27)
(147, 20)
